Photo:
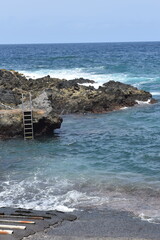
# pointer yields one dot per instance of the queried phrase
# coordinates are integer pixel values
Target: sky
(72, 21)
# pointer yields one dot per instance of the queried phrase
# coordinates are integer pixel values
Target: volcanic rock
(59, 96)
(11, 123)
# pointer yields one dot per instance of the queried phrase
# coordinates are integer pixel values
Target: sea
(94, 161)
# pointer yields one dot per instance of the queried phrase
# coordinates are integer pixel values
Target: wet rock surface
(90, 224)
(102, 225)
(32, 221)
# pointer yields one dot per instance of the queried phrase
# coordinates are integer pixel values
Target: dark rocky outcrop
(59, 96)
(11, 123)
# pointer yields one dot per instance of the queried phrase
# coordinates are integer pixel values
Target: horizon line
(147, 41)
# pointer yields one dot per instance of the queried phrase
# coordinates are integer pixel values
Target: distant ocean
(95, 160)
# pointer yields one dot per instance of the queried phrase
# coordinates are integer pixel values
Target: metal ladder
(27, 117)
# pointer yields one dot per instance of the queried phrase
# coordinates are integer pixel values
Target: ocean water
(95, 160)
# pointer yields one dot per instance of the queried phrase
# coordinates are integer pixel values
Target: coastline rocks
(81, 99)
(11, 123)
(59, 96)
(45, 123)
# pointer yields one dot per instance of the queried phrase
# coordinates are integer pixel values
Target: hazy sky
(64, 21)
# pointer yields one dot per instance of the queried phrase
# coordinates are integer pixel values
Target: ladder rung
(29, 129)
(28, 118)
(27, 114)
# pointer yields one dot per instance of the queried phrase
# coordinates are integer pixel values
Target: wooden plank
(6, 232)
(12, 227)
(23, 216)
(16, 221)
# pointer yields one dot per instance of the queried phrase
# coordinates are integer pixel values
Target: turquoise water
(95, 160)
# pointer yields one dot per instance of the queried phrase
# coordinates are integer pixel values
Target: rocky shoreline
(55, 97)
(90, 224)
(11, 123)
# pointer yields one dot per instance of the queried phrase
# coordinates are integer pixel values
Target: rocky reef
(58, 96)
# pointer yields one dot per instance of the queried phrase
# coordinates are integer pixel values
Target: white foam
(155, 93)
(62, 195)
(123, 108)
(57, 194)
(69, 74)
(155, 220)
(64, 209)
(143, 102)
